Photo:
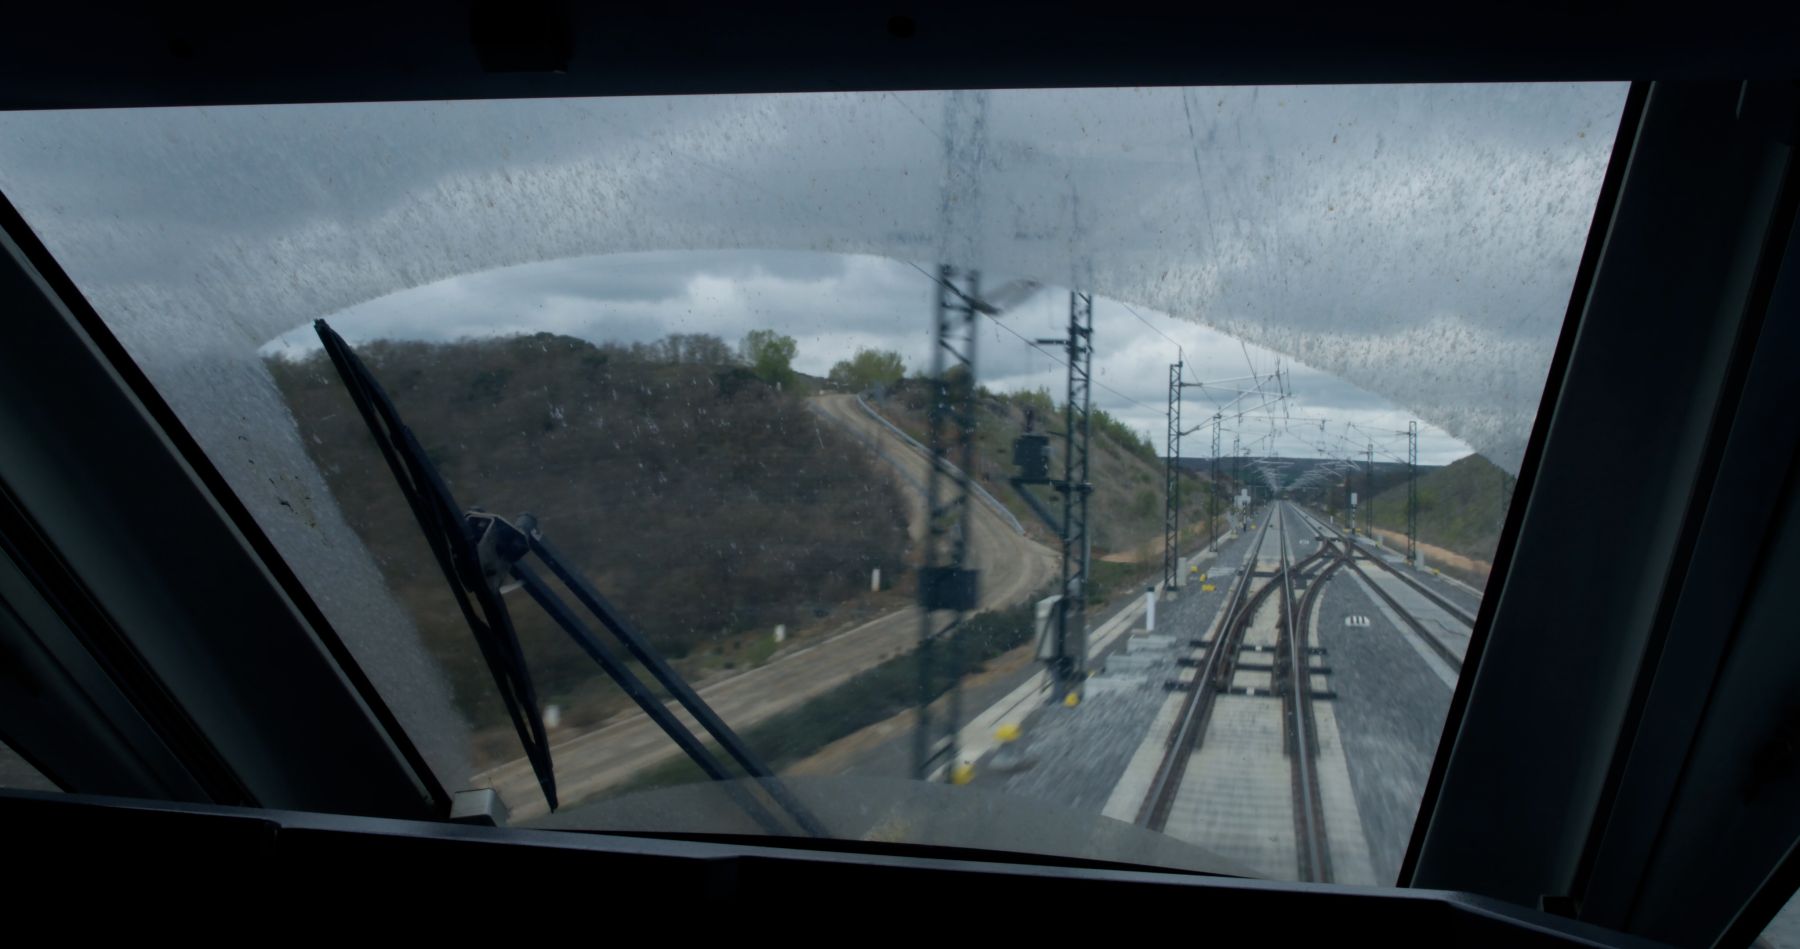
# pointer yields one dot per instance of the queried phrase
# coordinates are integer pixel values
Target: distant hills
(1126, 506)
(1385, 471)
(1462, 506)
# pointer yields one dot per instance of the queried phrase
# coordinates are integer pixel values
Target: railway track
(1314, 845)
(1197, 710)
(1291, 591)
(1424, 631)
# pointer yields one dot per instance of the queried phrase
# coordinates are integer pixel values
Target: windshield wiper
(478, 552)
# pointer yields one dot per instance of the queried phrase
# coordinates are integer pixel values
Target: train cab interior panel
(1328, 472)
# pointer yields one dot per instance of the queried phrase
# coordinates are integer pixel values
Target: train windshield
(1111, 473)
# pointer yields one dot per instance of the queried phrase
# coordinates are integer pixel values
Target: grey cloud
(834, 305)
(1416, 241)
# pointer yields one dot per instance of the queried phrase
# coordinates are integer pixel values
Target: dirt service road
(1012, 566)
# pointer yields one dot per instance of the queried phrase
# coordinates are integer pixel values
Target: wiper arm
(477, 551)
(511, 543)
(441, 521)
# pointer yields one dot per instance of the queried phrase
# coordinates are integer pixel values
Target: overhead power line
(1027, 341)
(1055, 359)
(1152, 326)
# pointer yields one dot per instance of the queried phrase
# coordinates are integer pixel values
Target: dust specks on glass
(772, 370)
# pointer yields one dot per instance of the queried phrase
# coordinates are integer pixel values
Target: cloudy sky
(834, 304)
(1418, 242)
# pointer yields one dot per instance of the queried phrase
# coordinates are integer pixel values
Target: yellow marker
(1206, 588)
(963, 773)
(1007, 732)
(1072, 700)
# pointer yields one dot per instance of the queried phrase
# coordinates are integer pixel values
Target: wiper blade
(477, 551)
(441, 521)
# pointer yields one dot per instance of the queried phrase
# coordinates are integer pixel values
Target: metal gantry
(1063, 637)
(1172, 457)
(1171, 482)
(1411, 460)
(1412, 492)
(1348, 455)
(1212, 493)
(948, 589)
(1237, 459)
(1077, 547)
(1369, 494)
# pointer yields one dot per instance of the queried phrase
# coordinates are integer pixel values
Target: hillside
(706, 504)
(1461, 507)
(1126, 507)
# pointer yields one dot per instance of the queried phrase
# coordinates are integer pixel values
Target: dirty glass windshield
(1106, 472)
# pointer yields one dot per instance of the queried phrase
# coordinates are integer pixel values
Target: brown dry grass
(1467, 569)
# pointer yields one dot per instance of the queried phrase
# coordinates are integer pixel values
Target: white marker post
(1046, 638)
(1150, 610)
(780, 632)
(875, 580)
